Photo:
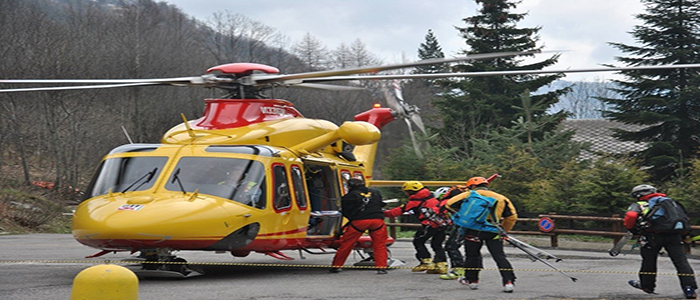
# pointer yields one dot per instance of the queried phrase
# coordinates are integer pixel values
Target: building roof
(598, 133)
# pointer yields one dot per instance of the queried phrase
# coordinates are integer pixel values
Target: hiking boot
(426, 264)
(382, 271)
(451, 275)
(690, 293)
(471, 284)
(335, 270)
(508, 287)
(440, 268)
(637, 285)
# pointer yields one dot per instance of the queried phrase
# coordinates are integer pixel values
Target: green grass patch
(585, 238)
(404, 233)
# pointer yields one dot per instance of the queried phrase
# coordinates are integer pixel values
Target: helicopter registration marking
(272, 110)
(130, 207)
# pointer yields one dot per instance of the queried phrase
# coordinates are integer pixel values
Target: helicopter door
(324, 197)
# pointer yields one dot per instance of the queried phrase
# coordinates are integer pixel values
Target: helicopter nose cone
(138, 222)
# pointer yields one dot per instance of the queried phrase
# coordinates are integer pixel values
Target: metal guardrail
(616, 229)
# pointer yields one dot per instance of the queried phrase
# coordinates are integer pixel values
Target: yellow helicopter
(251, 175)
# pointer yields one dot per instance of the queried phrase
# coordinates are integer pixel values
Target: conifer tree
(477, 106)
(428, 50)
(667, 102)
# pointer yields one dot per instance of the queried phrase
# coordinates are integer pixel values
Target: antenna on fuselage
(127, 135)
(187, 125)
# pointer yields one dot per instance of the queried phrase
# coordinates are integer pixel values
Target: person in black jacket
(362, 207)
(652, 240)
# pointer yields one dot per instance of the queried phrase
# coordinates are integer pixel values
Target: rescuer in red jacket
(362, 207)
(424, 205)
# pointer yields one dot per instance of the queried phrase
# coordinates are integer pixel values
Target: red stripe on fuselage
(293, 231)
(200, 242)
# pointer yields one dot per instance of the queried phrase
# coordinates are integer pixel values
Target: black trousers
(436, 236)
(673, 243)
(473, 241)
(454, 241)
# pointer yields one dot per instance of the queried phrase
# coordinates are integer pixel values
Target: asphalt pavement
(42, 266)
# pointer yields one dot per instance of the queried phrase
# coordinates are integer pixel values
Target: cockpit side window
(240, 180)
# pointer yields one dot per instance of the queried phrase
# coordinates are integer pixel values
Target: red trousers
(353, 231)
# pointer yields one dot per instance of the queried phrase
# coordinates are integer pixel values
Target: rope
(310, 266)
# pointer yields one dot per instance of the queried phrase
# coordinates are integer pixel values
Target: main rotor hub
(244, 85)
(243, 69)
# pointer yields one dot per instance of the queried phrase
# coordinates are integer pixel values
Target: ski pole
(527, 251)
(540, 252)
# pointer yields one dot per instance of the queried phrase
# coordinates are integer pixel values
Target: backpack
(667, 215)
(454, 191)
(437, 219)
(474, 211)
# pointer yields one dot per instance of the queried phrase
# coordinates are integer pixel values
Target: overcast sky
(393, 29)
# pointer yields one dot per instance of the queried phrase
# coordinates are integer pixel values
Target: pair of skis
(615, 250)
(534, 253)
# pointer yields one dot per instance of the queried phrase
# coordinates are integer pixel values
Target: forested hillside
(476, 126)
(60, 136)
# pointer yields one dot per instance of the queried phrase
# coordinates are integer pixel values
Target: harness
(360, 230)
(417, 210)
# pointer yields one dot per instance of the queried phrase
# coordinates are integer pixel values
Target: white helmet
(441, 191)
(642, 190)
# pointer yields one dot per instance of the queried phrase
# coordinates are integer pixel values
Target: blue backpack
(474, 211)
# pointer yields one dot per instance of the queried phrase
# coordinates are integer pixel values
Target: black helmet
(642, 190)
(355, 183)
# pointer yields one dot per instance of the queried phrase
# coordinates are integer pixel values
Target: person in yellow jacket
(505, 216)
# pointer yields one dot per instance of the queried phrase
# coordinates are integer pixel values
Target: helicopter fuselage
(251, 175)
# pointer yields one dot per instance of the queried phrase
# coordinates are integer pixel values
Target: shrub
(25, 209)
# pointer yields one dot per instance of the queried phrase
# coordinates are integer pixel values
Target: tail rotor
(407, 112)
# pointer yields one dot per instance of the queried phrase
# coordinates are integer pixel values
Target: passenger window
(345, 175)
(298, 181)
(282, 198)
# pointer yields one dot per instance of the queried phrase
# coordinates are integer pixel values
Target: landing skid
(141, 273)
(162, 263)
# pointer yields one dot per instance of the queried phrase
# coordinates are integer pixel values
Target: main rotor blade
(174, 80)
(263, 79)
(329, 87)
(76, 87)
(500, 73)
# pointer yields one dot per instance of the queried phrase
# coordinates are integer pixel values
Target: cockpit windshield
(240, 180)
(123, 174)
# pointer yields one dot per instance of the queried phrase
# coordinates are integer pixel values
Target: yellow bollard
(105, 282)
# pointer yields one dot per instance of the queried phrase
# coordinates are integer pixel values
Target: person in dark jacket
(651, 243)
(362, 207)
(424, 205)
(454, 240)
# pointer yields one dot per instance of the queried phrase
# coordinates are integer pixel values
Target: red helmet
(475, 181)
